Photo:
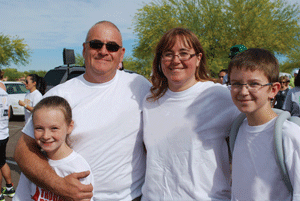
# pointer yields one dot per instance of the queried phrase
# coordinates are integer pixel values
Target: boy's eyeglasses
(98, 44)
(183, 56)
(252, 87)
(26, 81)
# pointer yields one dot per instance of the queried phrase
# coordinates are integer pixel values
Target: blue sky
(48, 26)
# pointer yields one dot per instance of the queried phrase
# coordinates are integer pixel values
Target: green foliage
(220, 24)
(79, 60)
(12, 74)
(40, 73)
(139, 66)
(13, 50)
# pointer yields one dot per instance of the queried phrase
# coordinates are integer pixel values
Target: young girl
(52, 121)
(36, 86)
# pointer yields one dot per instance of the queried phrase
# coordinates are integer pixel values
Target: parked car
(61, 74)
(16, 91)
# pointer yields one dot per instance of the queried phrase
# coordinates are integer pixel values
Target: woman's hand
(21, 103)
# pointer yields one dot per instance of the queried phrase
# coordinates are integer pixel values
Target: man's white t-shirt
(255, 173)
(108, 131)
(28, 191)
(31, 99)
(184, 135)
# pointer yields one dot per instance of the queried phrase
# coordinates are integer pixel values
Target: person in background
(292, 101)
(222, 73)
(107, 108)
(292, 80)
(8, 190)
(281, 95)
(186, 119)
(36, 86)
(1, 78)
(52, 122)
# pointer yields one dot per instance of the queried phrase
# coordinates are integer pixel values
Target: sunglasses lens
(96, 44)
(112, 47)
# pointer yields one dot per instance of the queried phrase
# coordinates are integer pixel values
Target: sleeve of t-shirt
(291, 144)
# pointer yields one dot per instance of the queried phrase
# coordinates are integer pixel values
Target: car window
(53, 77)
(16, 88)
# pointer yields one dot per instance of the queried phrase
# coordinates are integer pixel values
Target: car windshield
(16, 88)
(53, 77)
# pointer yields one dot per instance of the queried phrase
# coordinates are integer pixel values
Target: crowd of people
(112, 135)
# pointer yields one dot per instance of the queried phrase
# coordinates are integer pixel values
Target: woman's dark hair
(297, 79)
(40, 83)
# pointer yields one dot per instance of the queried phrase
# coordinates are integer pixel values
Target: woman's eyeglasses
(183, 56)
(110, 46)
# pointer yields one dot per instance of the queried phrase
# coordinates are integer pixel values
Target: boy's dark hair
(256, 59)
(55, 102)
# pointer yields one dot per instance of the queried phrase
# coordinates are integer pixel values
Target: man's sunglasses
(110, 46)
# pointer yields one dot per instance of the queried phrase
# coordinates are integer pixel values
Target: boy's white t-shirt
(28, 191)
(184, 135)
(108, 131)
(31, 99)
(255, 173)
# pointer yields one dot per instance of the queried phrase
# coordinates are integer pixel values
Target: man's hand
(75, 189)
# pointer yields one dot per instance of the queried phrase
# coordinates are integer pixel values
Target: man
(106, 106)
(222, 74)
(292, 80)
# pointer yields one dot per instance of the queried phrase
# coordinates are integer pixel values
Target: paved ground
(15, 127)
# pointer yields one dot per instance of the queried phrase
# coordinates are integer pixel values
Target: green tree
(12, 74)
(220, 24)
(40, 73)
(13, 50)
(79, 60)
(136, 65)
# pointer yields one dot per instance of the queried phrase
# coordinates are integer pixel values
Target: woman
(36, 86)
(281, 95)
(292, 101)
(2, 86)
(186, 119)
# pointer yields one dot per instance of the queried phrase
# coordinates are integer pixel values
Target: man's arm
(36, 168)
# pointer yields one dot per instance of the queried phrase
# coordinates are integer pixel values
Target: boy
(253, 76)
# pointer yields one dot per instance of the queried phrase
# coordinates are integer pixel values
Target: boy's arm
(36, 167)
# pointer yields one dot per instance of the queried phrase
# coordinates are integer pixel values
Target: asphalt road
(15, 130)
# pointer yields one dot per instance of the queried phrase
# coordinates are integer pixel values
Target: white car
(16, 91)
